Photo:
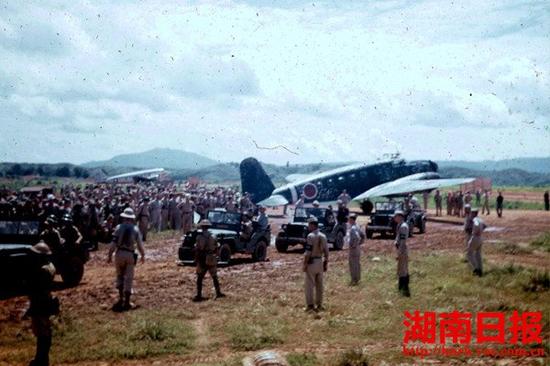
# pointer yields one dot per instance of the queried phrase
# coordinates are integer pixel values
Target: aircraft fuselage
(355, 179)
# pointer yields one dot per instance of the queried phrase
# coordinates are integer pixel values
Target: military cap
(312, 220)
(399, 212)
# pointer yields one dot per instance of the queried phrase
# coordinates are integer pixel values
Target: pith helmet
(312, 220)
(128, 214)
(41, 248)
(205, 222)
(399, 212)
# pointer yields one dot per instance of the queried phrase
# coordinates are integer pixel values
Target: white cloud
(329, 81)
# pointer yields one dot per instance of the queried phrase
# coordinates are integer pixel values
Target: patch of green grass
(513, 249)
(538, 282)
(355, 357)
(136, 335)
(302, 359)
(542, 242)
(256, 336)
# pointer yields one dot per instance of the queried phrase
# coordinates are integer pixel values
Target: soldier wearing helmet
(206, 258)
(42, 304)
(125, 240)
(50, 235)
(69, 233)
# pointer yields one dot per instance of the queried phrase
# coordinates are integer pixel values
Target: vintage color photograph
(274, 183)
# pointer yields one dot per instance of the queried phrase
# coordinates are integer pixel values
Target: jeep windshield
(387, 206)
(19, 227)
(12, 232)
(218, 218)
(302, 214)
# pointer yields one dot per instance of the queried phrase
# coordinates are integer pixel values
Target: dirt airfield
(264, 307)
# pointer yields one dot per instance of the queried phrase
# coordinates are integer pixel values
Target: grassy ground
(366, 316)
(264, 307)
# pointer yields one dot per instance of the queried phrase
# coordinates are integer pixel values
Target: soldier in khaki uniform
(186, 208)
(315, 249)
(355, 238)
(125, 239)
(143, 218)
(207, 261)
(468, 224)
(42, 304)
(475, 243)
(402, 253)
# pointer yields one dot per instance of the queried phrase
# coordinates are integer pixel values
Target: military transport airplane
(391, 177)
(140, 175)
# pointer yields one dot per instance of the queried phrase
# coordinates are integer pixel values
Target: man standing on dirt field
(207, 261)
(485, 202)
(402, 233)
(42, 304)
(143, 218)
(187, 208)
(438, 206)
(125, 239)
(315, 263)
(356, 237)
(474, 245)
(500, 204)
(468, 225)
(546, 201)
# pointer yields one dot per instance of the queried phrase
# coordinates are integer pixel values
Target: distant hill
(156, 158)
(507, 177)
(534, 165)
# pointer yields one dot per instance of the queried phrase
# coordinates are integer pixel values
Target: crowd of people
(456, 201)
(96, 209)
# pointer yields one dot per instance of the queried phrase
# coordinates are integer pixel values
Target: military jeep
(382, 222)
(295, 232)
(227, 228)
(16, 258)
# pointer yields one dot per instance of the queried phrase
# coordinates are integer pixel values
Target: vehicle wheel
(422, 226)
(369, 234)
(224, 254)
(72, 271)
(339, 241)
(260, 253)
(281, 246)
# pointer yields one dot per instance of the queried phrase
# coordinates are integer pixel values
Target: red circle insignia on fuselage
(310, 191)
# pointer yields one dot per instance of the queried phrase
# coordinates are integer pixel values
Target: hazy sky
(330, 81)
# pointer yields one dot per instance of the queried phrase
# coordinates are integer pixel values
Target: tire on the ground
(72, 271)
(339, 241)
(281, 245)
(260, 252)
(422, 226)
(224, 254)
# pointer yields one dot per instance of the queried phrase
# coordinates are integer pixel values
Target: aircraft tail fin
(255, 180)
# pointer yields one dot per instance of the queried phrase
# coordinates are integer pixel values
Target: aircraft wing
(275, 200)
(404, 186)
(140, 173)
